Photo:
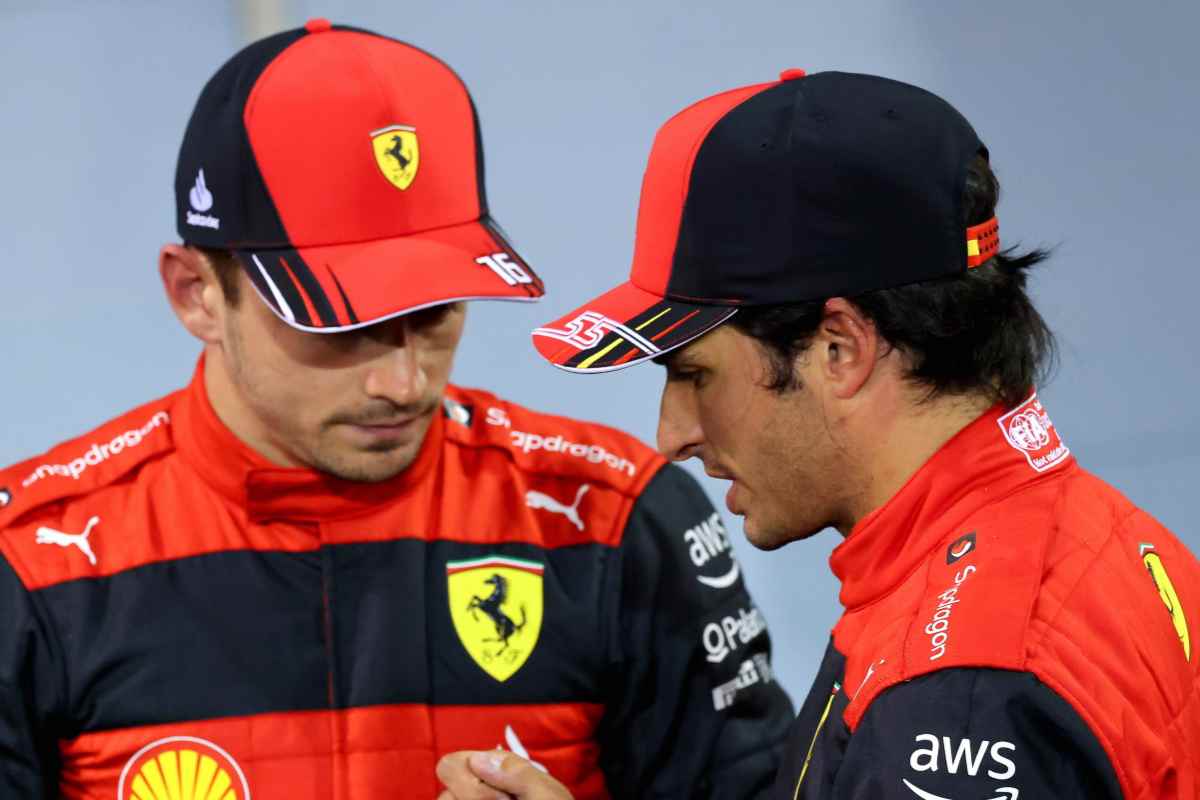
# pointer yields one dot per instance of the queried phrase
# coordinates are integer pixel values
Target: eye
(689, 374)
(431, 317)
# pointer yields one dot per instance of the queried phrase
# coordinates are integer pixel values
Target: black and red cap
(345, 170)
(825, 185)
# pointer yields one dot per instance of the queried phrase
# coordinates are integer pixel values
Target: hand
(495, 775)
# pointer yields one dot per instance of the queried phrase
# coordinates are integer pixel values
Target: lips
(378, 422)
(386, 429)
(723, 475)
(385, 432)
(719, 474)
(731, 498)
(386, 425)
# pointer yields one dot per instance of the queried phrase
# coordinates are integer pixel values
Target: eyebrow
(674, 359)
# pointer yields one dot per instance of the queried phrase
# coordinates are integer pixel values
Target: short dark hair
(976, 333)
(226, 265)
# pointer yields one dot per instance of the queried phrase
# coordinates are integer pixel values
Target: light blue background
(1089, 109)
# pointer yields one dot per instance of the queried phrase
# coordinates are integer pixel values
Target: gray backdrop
(1089, 108)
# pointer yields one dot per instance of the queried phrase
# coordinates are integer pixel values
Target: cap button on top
(318, 25)
(791, 74)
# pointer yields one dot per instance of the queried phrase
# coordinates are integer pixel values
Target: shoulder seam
(115, 481)
(153, 438)
(1093, 559)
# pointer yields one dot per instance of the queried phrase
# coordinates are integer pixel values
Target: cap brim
(623, 327)
(343, 287)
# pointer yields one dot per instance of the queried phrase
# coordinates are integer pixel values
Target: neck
(231, 409)
(899, 443)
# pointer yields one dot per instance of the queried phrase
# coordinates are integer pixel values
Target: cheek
(272, 383)
(279, 386)
(723, 427)
(725, 419)
(754, 431)
(436, 362)
(437, 354)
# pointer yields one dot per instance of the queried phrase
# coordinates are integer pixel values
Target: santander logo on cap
(200, 197)
(1028, 429)
(201, 200)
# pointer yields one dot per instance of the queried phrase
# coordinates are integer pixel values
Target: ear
(193, 291)
(846, 348)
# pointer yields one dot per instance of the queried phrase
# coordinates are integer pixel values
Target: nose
(398, 374)
(680, 436)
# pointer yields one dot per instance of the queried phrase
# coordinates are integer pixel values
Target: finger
(516, 776)
(448, 795)
(461, 783)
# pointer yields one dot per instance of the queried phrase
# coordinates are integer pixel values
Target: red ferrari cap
(345, 170)
(809, 187)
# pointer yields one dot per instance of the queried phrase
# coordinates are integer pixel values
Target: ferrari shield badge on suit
(496, 605)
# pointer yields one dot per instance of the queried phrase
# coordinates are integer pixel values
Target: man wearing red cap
(818, 268)
(320, 567)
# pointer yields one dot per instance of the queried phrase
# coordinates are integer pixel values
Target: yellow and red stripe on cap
(622, 327)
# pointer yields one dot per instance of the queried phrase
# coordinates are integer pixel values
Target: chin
(768, 536)
(370, 474)
(757, 536)
(366, 467)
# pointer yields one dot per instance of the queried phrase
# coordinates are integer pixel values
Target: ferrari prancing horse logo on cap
(397, 154)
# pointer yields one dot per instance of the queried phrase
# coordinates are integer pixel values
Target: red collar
(986, 461)
(270, 492)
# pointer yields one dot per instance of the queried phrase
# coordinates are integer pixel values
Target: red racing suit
(183, 620)
(1014, 629)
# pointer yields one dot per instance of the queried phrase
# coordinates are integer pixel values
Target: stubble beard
(801, 504)
(372, 464)
(320, 450)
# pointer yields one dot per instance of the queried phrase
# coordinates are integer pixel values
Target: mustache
(383, 412)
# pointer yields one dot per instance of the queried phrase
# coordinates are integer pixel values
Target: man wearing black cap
(818, 268)
(320, 567)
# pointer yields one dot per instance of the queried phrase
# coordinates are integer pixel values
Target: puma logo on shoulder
(80, 540)
(547, 503)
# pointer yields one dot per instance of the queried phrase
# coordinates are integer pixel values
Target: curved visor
(624, 327)
(343, 287)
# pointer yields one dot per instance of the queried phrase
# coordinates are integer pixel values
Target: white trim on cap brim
(643, 358)
(291, 323)
(288, 315)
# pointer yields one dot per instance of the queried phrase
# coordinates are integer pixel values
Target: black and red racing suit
(182, 619)
(1014, 629)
